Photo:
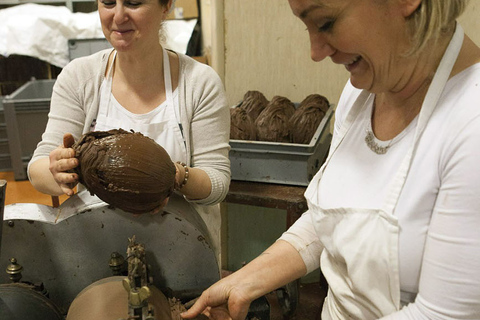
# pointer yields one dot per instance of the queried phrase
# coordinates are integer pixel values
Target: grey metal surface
(84, 47)
(74, 253)
(26, 114)
(282, 163)
(18, 302)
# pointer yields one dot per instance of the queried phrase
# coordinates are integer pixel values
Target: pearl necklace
(373, 145)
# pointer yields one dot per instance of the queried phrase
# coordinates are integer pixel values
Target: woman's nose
(121, 14)
(319, 47)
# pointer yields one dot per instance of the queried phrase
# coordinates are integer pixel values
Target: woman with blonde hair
(394, 213)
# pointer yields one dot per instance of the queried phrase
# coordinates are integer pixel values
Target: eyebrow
(311, 8)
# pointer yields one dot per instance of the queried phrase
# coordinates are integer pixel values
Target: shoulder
(197, 72)
(460, 101)
(86, 68)
(455, 123)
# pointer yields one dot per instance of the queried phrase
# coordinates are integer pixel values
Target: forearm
(42, 179)
(275, 267)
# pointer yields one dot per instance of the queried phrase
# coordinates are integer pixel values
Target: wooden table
(289, 198)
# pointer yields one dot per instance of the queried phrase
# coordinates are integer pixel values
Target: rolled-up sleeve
(302, 236)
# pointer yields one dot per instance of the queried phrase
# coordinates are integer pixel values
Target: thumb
(199, 306)
(68, 140)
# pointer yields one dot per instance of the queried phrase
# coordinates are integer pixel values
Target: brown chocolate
(306, 119)
(127, 170)
(315, 99)
(254, 102)
(273, 124)
(242, 127)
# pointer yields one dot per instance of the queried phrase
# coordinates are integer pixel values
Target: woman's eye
(133, 3)
(326, 26)
(108, 3)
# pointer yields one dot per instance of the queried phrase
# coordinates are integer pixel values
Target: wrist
(182, 175)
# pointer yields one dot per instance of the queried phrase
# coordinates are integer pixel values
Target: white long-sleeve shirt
(438, 209)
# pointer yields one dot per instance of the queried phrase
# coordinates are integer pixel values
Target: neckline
(368, 126)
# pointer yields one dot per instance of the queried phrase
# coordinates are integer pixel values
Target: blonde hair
(431, 19)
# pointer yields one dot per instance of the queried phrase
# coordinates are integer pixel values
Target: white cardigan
(203, 110)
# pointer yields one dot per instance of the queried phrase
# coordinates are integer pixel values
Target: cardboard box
(184, 10)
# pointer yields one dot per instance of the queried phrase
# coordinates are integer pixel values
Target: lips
(350, 65)
(122, 32)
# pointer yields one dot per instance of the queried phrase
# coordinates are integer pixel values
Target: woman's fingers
(62, 162)
(67, 181)
(65, 165)
(199, 307)
(219, 313)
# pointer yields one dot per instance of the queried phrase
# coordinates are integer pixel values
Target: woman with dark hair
(139, 85)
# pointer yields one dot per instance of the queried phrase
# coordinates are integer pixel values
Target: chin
(358, 84)
(121, 47)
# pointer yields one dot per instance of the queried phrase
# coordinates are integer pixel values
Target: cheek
(104, 18)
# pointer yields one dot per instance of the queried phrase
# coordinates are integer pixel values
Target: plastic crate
(26, 114)
(281, 163)
(85, 47)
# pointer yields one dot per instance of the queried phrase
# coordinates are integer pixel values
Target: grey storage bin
(26, 114)
(85, 47)
(281, 163)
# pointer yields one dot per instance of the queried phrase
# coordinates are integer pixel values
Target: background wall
(267, 49)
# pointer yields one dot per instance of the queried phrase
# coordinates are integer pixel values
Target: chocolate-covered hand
(62, 161)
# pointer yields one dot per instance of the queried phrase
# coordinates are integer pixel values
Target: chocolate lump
(254, 102)
(306, 119)
(273, 123)
(127, 170)
(242, 127)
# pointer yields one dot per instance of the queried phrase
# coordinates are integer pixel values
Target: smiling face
(368, 37)
(131, 24)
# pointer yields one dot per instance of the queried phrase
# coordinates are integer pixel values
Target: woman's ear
(170, 5)
(408, 7)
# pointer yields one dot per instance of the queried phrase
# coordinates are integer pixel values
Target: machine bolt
(116, 263)
(14, 270)
(10, 223)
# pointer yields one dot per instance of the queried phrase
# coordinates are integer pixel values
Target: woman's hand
(62, 162)
(222, 301)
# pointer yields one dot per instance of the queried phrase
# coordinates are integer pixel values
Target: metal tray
(281, 163)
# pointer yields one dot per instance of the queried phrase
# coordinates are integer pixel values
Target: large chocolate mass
(306, 119)
(127, 170)
(273, 124)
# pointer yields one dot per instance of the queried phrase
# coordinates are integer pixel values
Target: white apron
(360, 259)
(166, 132)
(165, 127)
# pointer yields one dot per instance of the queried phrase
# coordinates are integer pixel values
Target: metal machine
(51, 255)
(66, 249)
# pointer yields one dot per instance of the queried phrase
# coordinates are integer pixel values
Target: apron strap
(168, 84)
(434, 93)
